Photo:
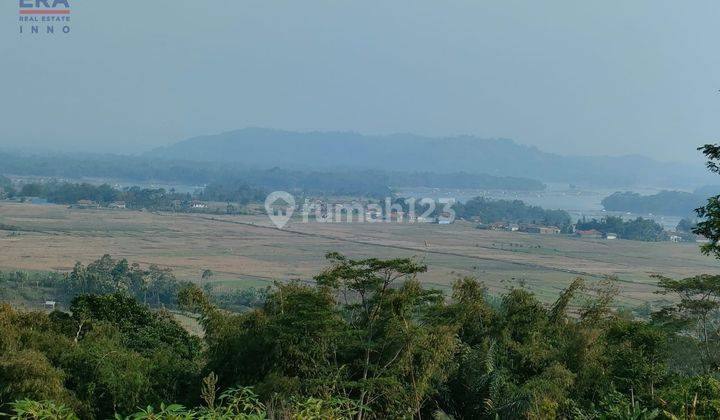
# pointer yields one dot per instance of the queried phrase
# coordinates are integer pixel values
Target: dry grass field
(248, 251)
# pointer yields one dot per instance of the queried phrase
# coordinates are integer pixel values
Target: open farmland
(248, 251)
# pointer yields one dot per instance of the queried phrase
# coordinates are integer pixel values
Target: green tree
(697, 310)
(709, 225)
(389, 331)
(29, 374)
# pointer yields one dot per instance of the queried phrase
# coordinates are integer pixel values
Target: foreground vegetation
(153, 286)
(366, 340)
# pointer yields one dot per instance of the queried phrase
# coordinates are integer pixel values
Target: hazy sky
(613, 77)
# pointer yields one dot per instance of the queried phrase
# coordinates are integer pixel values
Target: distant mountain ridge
(266, 148)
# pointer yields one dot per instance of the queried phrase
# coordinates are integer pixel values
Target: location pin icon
(280, 206)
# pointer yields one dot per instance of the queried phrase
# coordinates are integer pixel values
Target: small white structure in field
(611, 235)
(50, 304)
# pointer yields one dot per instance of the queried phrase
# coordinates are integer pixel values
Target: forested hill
(338, 182)
(666, 203)
(407, 152)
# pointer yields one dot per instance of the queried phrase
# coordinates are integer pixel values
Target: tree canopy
(516, 211)
(365, 339)
(638, 229)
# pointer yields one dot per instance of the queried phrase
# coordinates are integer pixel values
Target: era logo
(28, 4)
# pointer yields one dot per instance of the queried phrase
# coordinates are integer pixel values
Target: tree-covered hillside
(320, 180)
(638, 229)
(330, 151)
(490, 211)
(667, 203)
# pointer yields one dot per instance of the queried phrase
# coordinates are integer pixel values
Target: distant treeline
(134, 197)
(638, 230)
(6, 188)
(137, 197)
(235, 193)
(514, 211)
(486, 210)
(357, 183)
(668, 203)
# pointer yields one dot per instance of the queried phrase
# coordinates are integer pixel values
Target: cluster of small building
(409, 217)
(587, 234)
(89, 204)
(545, 230)
(594, 234)
(675, 236)
(119, 205)
(515, 227)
